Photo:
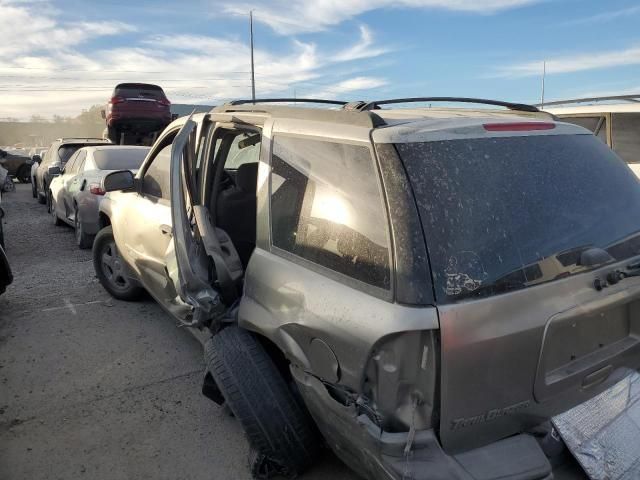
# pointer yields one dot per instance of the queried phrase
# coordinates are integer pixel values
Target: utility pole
(544, 74)
(253, 75)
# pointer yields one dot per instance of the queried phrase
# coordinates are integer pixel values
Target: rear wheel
(52, 209)
(83, 240)
(42, 199)
(111, 269)
(281, 432)
(113, 134)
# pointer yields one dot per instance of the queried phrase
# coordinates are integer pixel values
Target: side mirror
(36, 158)
(121, 180)
(103, 114)
(54, 170)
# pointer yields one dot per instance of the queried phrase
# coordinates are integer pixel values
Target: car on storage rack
(136, 109)
(423, 286)
(77, 190)
(55, 159)
(614, 120)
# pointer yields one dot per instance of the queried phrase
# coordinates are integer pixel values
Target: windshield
(501, 214)
(119, 158)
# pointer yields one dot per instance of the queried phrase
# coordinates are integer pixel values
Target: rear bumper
(133, 117)
(383, 455)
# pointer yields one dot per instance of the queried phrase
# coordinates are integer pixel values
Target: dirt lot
(91, 387)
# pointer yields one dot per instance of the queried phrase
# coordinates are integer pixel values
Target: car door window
(156, 180)
(327, 207)
(79, 162)
(68, 167)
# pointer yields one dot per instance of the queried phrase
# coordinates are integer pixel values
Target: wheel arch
(104, 220)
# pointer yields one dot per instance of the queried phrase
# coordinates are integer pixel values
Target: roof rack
(287, 100)
(80, 138)
(627, 98)
(361, 106)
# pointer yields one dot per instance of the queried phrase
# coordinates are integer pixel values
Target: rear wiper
(496, 287)
(631, 270)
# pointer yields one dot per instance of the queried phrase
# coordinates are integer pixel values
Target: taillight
(115, 100)
(96, 189)
(518, 126)
(164, 102)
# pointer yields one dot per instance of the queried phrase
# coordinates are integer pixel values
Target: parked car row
(420, 289)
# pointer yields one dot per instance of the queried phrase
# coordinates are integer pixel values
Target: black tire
(24, 173)
(113, 274)
(52, 210)
(113, 134)
(42, 199)
(278, 427)
(83, 240)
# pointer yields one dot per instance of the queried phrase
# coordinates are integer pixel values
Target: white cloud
(357, 84)
(299, 16)
(25, 30)
(40, 76)
(573, 63)
(603, 17)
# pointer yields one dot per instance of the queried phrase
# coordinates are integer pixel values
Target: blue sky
(57, 57)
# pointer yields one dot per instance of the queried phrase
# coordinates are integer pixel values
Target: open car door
(203, 265)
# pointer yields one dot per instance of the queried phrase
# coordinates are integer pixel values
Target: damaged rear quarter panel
(385, 348)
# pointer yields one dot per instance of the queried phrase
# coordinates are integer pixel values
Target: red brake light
(96, 189)
(518, 126)
(115, 100)
(164, 102)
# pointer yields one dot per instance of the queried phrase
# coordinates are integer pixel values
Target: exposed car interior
(233, 193)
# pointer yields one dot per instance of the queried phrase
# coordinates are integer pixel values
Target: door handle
(166, 230)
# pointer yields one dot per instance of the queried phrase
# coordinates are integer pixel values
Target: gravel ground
(91, 387)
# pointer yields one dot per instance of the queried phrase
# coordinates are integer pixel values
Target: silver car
(77, 191)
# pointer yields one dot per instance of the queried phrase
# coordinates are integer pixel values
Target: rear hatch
(520, 226)
(144, 98)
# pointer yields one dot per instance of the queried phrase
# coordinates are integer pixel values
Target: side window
(326, 207)
(79, 162)
(625, 128)
(156, 180)
(68, 167)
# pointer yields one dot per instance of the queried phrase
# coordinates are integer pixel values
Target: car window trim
(378, 292)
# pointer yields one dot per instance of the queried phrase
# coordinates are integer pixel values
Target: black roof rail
(373, 105)
(286, 100)
(627, 98)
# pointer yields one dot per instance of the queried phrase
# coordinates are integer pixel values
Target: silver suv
(423, 287)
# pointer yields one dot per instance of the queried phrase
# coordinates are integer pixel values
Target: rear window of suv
(502, 214)
(128, 91)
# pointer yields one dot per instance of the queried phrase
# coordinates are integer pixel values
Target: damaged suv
(425, 288)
